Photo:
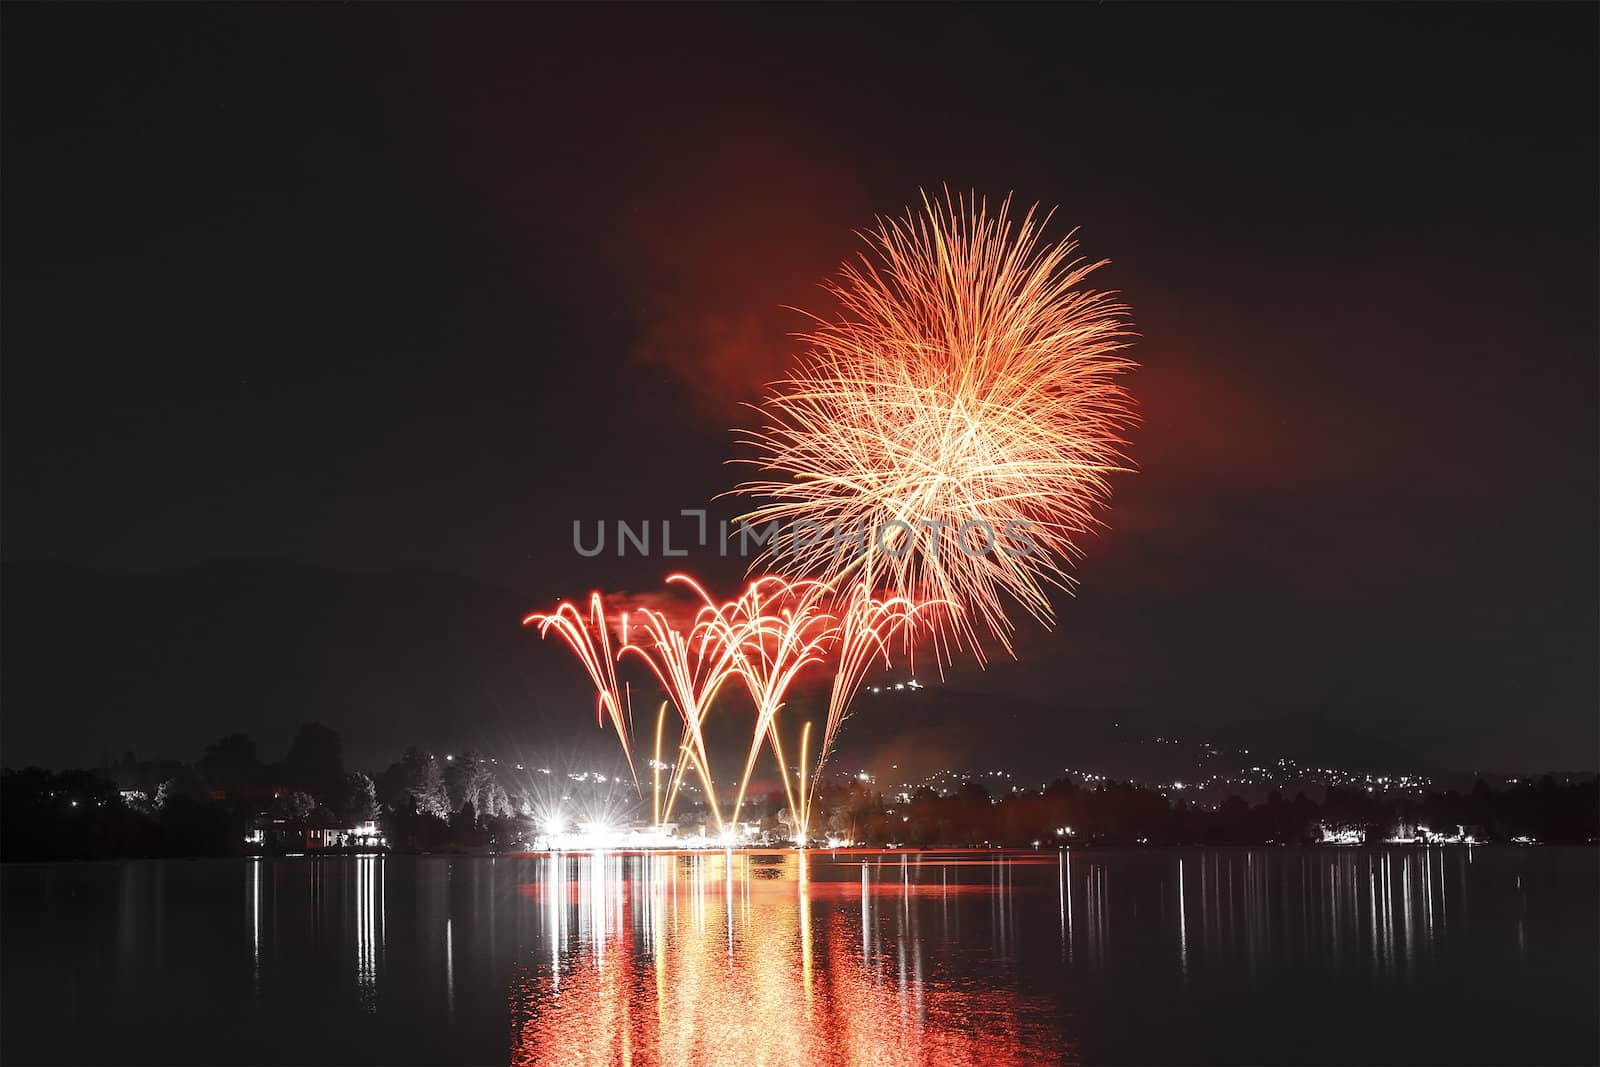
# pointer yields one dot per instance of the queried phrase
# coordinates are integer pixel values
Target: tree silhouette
(415, 780)
(357, 801)
(230, 763)
(315, 761)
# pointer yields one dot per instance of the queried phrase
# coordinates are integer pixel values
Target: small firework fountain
(956, 425)
(763, 640)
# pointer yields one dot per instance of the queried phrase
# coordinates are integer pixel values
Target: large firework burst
(950, 434)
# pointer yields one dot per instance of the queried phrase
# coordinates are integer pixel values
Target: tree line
(1123, 813)
(424, 803)
(165, 807)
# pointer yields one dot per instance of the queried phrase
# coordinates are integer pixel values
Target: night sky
(400, 292)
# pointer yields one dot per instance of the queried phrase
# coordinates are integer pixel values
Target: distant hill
(962, 727)
(162, 663)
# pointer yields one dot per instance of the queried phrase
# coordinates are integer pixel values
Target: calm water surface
(1153, 956)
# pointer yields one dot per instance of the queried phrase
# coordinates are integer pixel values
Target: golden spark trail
(655, 769)
(771, 648)
(803, 812)
(691, 668)
(590, 641)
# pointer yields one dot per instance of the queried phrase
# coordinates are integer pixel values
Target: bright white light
(1341, 835)
(606, 837)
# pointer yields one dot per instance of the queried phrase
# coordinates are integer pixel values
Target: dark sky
(409, 287)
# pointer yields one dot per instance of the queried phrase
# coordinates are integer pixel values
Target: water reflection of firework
(713, 959)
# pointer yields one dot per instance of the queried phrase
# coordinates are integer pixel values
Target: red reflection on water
(712, 960)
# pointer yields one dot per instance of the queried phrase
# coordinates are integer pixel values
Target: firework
(691, 667)
(590, 641)
(955, 426)
(862, 635)
(766, 638)
(776, 629)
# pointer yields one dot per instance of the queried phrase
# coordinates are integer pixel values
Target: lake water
(1485, 955)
